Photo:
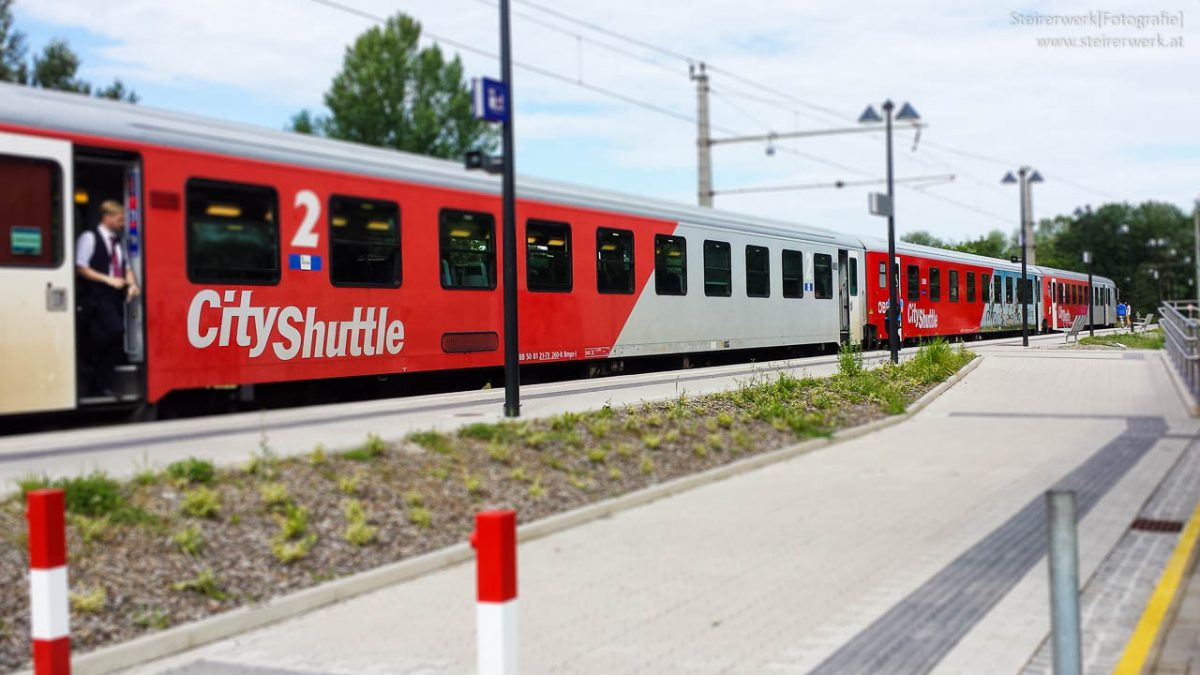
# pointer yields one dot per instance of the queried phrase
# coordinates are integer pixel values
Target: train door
(37, 326)
(1054, 304)
(844, 294)
(102, 175)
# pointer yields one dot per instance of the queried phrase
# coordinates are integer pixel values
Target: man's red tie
(114, 265)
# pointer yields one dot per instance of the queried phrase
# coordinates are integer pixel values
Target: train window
(468, 250)
(935, 284)
(364, 242)
(822, 276)
(547, 256)
(614, 261)
(883, 275)
(985, 287)
(718, 272)
(793, 274)
(670, 265)
(758, 272)
(31, 222)
(970, 287)
(1008, 290)
(914, 283)
(997, 291)
(232, 233)
(854, 277)
(953, 294)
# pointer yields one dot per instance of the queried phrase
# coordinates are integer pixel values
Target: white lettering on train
(922, 318)
(289, 331)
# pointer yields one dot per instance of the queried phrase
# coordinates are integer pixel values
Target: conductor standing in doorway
(106, 283)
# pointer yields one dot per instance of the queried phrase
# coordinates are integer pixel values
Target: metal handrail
(1181, 330)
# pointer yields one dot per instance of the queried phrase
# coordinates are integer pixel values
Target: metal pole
(1091, 303)
(1196, 252)
(512, 375)
(703, 139)
(1024, 171)
(893, 293)
(1064, 582)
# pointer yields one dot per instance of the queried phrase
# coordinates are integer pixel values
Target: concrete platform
(911, 550)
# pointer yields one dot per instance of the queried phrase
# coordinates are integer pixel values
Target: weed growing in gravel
(89, 601)
(536, 491)
(625, 450)
(189, 540)
(850, 359)
(288, 552)
(293, 522)
(652, 441)
(473, 484)
(597, 456)
(157, 619)
(432, 440)
(484, 431)
(598, 428)
(711, 424)
(441, 473)
(421, 517)
(413, 498)
(358, 532)
(145, 477)
(647, 466)
(556, 464)
(201, 502)
(318, 456)
(715, 442)
(672, 436)
(93, 495)
(274, 495)
(654, 420)
(205, 583)
(724, 420)
(264, 464)
(348, 485)
(700, 450)
(518, 474)
(499, 452)
(582, 483)
(614, 473)
(91, 530)
(373, 448)
(742, 440)
(191, 471)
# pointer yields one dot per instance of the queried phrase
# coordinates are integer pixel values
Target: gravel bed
(419, 494)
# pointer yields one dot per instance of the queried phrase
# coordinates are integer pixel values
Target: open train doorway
(844, 294)
(102, 177)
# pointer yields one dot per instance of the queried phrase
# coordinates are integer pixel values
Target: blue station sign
(489, 100)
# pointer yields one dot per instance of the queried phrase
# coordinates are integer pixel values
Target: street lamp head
(907, 114)
(869, 116)
(1036, 178)
(1009, 179)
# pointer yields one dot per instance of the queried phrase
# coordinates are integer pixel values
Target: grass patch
(434, 441)
(201, 502)
(373, 448)
(205, 583)
(191, 471)
(1149, 340)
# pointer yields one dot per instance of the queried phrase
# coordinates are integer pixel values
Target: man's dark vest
(100, 257)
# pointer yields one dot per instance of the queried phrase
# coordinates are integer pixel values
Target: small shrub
(606, 411)
(614, 473)
(652, 441)
(724, 420)
(700, 450)
(499, 452)
(191, 471)
(293, 522)
(348, 485)
(353, 510)
(201, 502)
(672, 436)
(89, 601)
(274, 495)
(518, 474)
(742, 440)
(715, 442)
(711, 424)
(433, 441)
(850, 360)
(597, 456)
(536, 491)
(205, 583)
(318, 456)
(93, 495)
(647, 466)
(91, 529)
(359, 533)
(565, 421)
(421, 517)
(473, 485)
(413, 498)
(189, 540)
(288, 552)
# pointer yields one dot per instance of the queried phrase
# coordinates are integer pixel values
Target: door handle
(56, 298)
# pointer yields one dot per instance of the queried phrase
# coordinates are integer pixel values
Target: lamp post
(1087, 260)
(1196, 240)
(1025, 180)
(869, 116)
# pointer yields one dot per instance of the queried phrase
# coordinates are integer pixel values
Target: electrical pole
(1196, 252)
(1023, 172)
(704, 192)
(512, 373)
(1027, 227)
(894, 317)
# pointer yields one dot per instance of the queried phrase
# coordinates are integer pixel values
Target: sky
(1110, 118)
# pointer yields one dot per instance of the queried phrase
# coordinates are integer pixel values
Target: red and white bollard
(49, 606)
(495, 542)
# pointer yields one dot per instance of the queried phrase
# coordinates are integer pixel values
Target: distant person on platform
(107, 283)
(1122, 311)
(1130, 316)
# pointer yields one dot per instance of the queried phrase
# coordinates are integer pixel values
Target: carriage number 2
(306, 235)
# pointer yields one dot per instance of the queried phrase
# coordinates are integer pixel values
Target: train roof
(876, 244)
(73, 113)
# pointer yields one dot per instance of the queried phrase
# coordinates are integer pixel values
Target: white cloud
(1084, 115)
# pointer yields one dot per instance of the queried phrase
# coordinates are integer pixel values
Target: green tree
(993, 245)
(303, 122)
(393, 94)
(12, 48)
(55, 68)
(117, 92)
(924, 238)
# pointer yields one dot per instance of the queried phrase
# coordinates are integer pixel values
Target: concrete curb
(182, 638)
(1186, 397)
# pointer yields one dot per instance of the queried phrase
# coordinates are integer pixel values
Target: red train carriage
(1066, 295)
(269, 257)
